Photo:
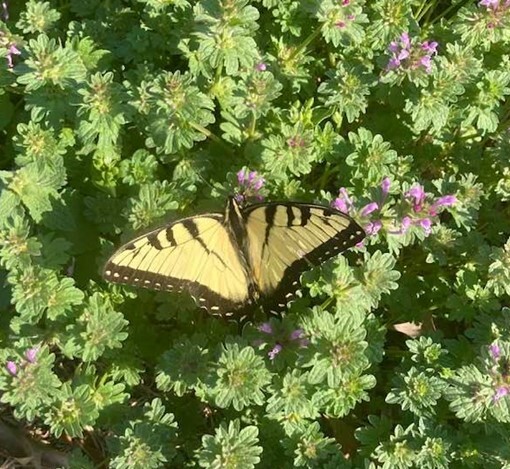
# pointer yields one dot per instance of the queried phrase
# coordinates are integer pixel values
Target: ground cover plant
(118, 116)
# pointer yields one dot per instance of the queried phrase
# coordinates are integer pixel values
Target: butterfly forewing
(196, 254)
(286, 239)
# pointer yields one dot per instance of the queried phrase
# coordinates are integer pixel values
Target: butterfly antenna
(204, 180)
(213, 187)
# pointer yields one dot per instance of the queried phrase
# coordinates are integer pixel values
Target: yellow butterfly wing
(196, 254)
(285, 239)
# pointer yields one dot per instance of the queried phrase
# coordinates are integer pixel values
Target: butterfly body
(243, 256)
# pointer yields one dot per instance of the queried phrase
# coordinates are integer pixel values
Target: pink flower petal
(266, 328)
(31, 354)
(275, 351)
(241, 176)
(369, 208)
(385, 185)
(426, 224)
(373, 227)
(12, 368)
(495, 351)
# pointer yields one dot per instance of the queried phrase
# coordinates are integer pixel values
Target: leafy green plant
(119, 116)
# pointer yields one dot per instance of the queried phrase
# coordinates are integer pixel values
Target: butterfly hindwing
(196, 254)
(285, 239)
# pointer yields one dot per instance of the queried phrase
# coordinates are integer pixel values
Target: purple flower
(340, 24)
(369, 208)
(400, 51)
(426, 224)
(493, 4)
(261, 67)
(426, 63)
(295, 142)
(12, 368)
(393, 63)
(501, 391)
(405, 40)
(445, 201)
(345, 2)
(373, 227)
(405, 224)
(296, 334)
(304, 342)
(385, 186)
(418, 195)
(343, 202)
(274, 351)
(406, 55)
(13, 50)
(393, 47)
(266, 328)
(299, 336)
(251, 183)
(340, 204)
(241, 177)
(430, 47)
(31, 354)
(495, 351)
(259, 184)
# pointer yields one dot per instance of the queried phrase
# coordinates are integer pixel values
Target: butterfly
(247, 255)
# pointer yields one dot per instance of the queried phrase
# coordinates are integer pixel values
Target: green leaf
(36, 291)
(290, 401)
(37, 186)
(347, 90)
(378, 276)
(223, 36)
(337, 348)
(372, 157)
(417, 392)
(9, 205)
(17, 248)
(230, 448)
(184, 367)
(339, 401)
(242, 378)
(471, 394)
(35, 387)
(177, 112)
(342, 24)
(49, 64)
(148, 441)
(74, 410)
(499, 270)
(311, 448)
(154, 201)
(102, 328)
(38, 17)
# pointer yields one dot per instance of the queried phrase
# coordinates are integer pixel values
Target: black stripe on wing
(343, 240)
(204, 297)
(290, 282)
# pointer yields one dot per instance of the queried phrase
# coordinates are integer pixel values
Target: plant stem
(211, 136)
(304, 44)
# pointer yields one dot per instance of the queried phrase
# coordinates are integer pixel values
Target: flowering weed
(119, 116)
